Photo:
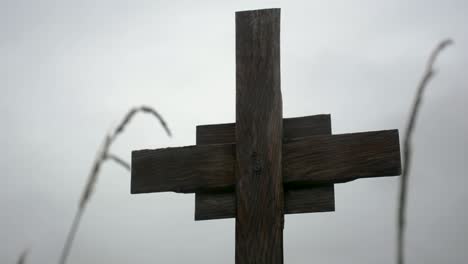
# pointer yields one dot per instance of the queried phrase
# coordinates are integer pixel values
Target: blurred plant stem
(22, 257)
(407, 151)
(102, 156)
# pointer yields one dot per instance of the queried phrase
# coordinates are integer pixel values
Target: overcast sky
(69, 70)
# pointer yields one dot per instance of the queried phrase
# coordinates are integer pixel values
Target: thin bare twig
(118, 160)
(102, 156)
(428, 74)
(71, 235)
(22, 257)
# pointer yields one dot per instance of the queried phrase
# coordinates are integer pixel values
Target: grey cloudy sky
(69, 70)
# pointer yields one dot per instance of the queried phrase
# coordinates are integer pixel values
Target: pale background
(69, 70)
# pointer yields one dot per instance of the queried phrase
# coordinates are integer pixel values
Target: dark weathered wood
(222, 204)
(183, 169)
(259, 135)
(342, 158)
(292, 128)
(261, 171)
(312, 160)
(310, 199)
(313, 199)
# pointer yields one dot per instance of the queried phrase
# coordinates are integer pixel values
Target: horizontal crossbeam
(309, 199)
(310, 160)
(295, 127)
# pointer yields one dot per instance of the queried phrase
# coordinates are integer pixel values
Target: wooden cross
(264, 166)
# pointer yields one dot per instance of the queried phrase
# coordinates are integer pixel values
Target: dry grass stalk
(103, 155)
(427, 76)
(22, 257)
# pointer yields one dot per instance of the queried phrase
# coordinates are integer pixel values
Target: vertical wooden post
(259, 188)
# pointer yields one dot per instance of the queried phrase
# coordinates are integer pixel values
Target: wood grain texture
(259, 136)
(222, 204)
(308, 199)
(341, 158)
(183, 169)
(295, 127)
(311, 160)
